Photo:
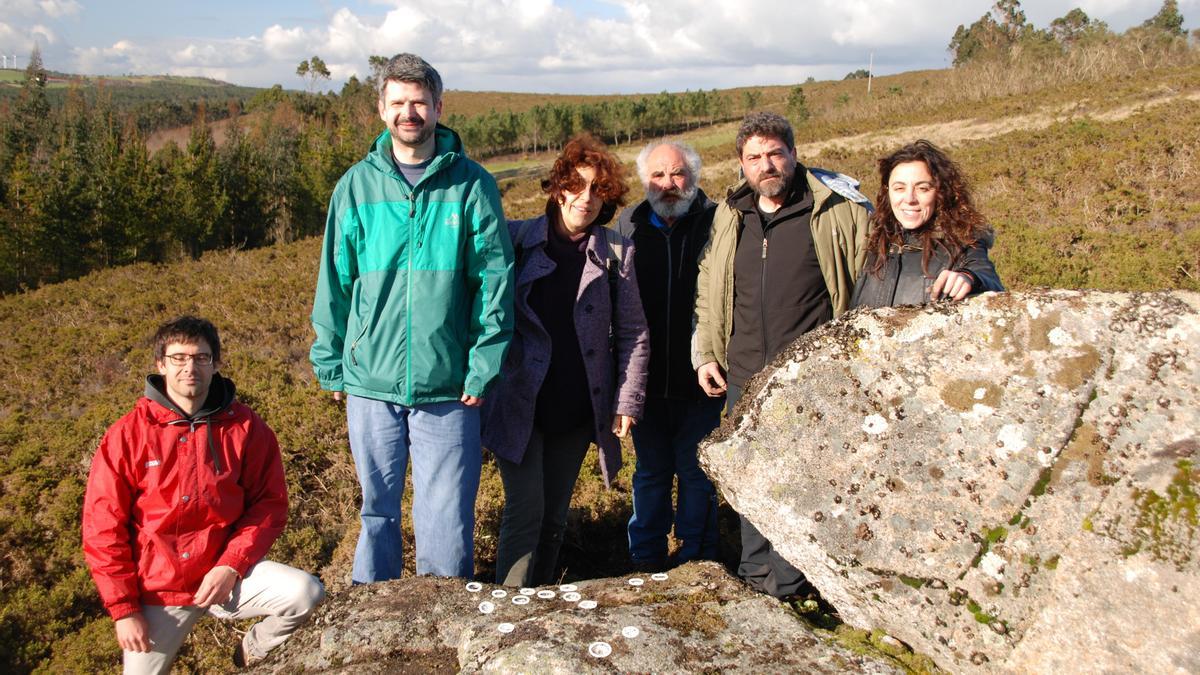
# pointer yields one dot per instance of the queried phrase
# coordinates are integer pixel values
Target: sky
(545, 46)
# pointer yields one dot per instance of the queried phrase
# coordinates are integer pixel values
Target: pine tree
(1168, 20)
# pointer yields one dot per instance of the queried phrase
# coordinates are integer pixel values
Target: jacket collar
(820, 192)
(221, 395)
(448, 148)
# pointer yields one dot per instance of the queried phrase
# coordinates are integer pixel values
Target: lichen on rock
(1046, 446)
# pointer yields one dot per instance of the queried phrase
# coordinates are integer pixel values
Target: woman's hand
(950, 284)
(621, 424)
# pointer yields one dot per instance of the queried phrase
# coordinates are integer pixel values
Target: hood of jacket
(448, 148)
(221, 394)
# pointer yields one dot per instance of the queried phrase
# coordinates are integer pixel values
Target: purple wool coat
(616, 379)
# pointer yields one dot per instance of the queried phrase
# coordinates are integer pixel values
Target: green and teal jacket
(414, 297)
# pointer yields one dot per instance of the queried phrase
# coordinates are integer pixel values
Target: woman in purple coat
(575, 372)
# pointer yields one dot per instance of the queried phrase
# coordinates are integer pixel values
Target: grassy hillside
(1090, 182)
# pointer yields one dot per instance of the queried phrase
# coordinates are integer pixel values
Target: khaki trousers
(285, 595)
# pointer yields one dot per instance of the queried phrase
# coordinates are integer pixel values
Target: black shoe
(239, 656)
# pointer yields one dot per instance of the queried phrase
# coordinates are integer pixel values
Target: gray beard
(672, 210)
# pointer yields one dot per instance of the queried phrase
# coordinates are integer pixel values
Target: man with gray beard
(669, 229)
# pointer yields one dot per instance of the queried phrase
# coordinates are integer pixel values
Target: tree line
(80, 191)
(1004, 32)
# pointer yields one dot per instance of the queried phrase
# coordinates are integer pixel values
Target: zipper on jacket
(762, 297)
(667, 350)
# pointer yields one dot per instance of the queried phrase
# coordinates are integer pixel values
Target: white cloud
(546, 45)
(39, 8)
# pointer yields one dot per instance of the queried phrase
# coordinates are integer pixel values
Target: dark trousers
(537, 498)
(761, 567)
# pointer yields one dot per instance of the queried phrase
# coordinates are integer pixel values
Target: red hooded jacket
(170, 497)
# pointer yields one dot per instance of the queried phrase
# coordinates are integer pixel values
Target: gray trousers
(285, 595)
(537, 496)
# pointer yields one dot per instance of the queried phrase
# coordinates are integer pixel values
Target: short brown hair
(765, 125)
(609, 184)
(187, 330)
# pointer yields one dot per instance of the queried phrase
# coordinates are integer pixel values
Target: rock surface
(1007, 483)
(699, 619)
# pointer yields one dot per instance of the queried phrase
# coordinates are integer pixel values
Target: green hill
(1092, 179)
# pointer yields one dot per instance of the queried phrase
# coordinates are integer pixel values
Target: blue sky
(568, 46)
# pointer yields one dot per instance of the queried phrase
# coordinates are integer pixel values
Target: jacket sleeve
(335, 282)
(703, 350)
(632, 337)
(489, 271)
(107, 516)
(975, 260)
(266, 503)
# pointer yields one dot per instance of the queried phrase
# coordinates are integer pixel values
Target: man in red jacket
(185, 496)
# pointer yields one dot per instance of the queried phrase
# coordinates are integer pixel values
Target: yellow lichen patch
(686, 618)
(962, 395)
(1075, 370)
(1039, 331)
(1086, 446)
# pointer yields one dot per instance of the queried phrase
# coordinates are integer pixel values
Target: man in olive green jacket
(413, 315)
(785, 249)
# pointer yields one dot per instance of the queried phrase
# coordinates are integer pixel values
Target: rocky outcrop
(697, 619)
(1005, 483)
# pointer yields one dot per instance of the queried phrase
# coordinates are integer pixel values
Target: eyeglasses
(182, 359)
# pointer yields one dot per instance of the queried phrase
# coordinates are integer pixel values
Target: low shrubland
(1095, 200)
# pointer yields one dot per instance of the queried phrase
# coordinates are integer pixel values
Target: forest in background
(1107, 197)
(81, 191)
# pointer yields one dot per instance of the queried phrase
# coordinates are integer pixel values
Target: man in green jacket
(782, 258)
(413, 315)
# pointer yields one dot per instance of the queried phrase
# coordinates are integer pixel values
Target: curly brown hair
(954, 225)
(609, 183)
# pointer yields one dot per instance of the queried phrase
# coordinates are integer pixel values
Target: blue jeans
(443, 441)
(666, 440)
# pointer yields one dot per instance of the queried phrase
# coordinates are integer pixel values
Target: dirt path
(949, 134)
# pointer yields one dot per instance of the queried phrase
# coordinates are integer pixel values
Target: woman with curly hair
(575, 372)
(927, 242)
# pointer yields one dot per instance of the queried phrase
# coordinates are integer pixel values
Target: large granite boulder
(698, 619)
(1004, 483)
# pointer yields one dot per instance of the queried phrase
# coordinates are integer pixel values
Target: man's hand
(949, 284)
(621, 424)
(337, 396)
(133, 634)
(472, 401)
(216, 587)
(711, 380)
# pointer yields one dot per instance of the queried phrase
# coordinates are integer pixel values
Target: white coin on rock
(499, 593)
(599, 649)
(631, 631)
(659, 576)
(506, 628)
(527, 591)
(571, 597)
(587, 604)
(486, 607)
(520, 600)
(636, 581)
(567, 588)
(474, 586)
(545, 595)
